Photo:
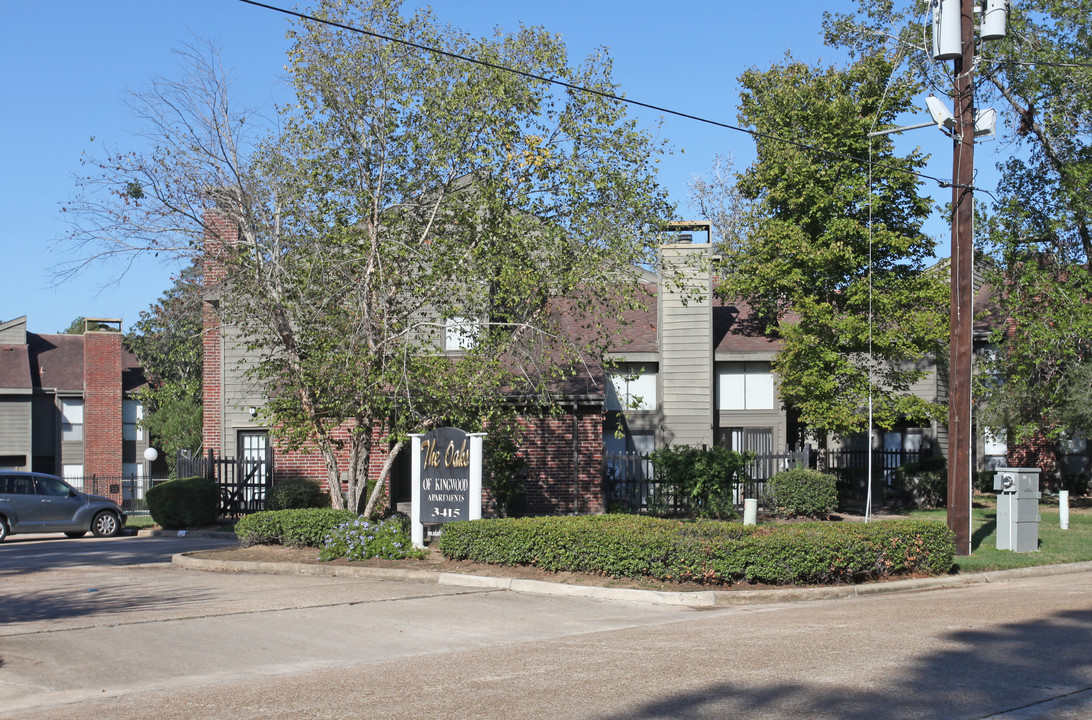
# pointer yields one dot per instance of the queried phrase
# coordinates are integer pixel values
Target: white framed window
(745, 386)
(995, 442)
(460, 333)
(632, 387)
(73, 475)
(995, 448)
(71, 419)
(132, 412)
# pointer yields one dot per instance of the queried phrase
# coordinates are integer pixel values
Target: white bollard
(750, 511)
(1063, 509)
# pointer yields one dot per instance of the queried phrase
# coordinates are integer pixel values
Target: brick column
(102, 406)
(219, 232)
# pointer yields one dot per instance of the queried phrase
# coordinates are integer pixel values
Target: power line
(1046, 63)
(580, 88)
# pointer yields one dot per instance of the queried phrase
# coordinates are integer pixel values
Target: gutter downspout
(576, 467)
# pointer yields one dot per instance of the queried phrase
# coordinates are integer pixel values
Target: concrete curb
(149, 532)
(697, 598)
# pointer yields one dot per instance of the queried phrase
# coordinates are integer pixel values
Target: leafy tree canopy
(404, 197)
(1037, 234)
(828, 252)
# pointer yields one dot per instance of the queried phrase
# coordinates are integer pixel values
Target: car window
(52, 486)
(16, 485)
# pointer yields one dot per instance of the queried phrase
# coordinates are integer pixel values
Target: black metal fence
(630, 482)
(244, 482)
(127, 491)
(850, 466)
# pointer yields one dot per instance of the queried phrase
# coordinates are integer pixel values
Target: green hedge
(703, 479)
(803, 493)
(295, 528)
(923, 483)
(297, 493)
(706, 551)
(183, 503)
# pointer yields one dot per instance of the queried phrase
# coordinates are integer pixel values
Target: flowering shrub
(362, 538)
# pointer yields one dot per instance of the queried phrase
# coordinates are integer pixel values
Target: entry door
(252, 451)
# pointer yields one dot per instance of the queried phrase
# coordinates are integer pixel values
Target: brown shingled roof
(15, 368)
(56, 361)
(735, 329)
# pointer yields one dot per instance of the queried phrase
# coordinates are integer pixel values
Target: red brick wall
(102, 404)
(1037, 452)
(308, 462)
(547, 446)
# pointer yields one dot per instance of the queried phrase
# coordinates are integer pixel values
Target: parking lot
(109, 629)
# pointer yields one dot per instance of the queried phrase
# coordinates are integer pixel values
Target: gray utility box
(1017, 508)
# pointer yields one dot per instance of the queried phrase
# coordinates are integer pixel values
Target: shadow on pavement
(22, 555)
(1015, 666)
(70, 603)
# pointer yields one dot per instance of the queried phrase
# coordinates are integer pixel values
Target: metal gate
(244, 481)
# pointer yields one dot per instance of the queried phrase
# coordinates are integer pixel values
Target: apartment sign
(447, 478)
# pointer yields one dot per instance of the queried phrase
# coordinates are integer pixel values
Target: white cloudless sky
(69, 64)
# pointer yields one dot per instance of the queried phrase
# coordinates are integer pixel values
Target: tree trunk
(373, 500)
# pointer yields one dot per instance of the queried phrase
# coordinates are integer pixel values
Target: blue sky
(70, 64)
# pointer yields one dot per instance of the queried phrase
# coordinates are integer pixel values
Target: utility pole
(962, 273)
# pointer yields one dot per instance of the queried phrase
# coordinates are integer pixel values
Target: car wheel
(76, 533)
(105, 524)
(3, 528)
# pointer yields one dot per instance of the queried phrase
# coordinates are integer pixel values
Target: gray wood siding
(240, 393)
(686, 353)
(926, 387)
(15, 425)
(14, 332)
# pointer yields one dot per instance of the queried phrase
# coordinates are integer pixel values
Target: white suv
(40, 503)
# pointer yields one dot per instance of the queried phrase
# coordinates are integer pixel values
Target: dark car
(40, 503)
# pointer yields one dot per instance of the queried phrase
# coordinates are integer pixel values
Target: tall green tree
(79, 325)
(829, 252)
(1038, 235)
(419, 238)
(167, 342)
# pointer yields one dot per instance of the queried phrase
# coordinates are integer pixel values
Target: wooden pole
(962, 320)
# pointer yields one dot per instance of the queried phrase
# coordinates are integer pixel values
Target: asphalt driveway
(21, 554)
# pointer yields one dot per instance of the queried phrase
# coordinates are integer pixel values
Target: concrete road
(158, 642)
(33, 553)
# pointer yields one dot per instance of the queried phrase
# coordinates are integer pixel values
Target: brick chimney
(219, 232)
(102, 398)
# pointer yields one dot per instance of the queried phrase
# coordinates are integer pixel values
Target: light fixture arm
(900, 129)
